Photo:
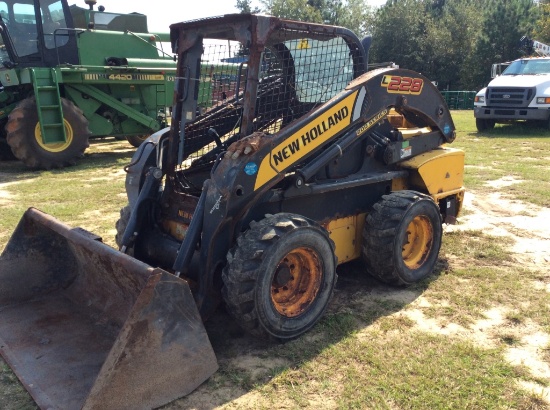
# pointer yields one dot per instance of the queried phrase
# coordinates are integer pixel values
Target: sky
(161, 13)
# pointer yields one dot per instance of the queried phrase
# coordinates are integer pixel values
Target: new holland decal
(402, 85)
(306, 139)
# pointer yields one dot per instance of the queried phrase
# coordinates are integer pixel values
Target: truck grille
(510, 97)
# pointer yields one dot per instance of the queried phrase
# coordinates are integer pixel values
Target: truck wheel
(280, 276)
(402, 237)
(136, 140)
(484, 124)
(24, 136)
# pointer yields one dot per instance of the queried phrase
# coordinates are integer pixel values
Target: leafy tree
(245, 6)
(504, 23)
(541, 31)
(353, 14)
(449, 41)
(293, 9)
(398, 34)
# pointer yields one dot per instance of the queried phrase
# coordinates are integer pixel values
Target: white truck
(521, 92)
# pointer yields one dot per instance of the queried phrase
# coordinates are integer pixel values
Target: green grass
(518, 150)
(369, 351)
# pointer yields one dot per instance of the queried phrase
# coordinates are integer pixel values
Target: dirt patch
(493, 214)
(529, 227)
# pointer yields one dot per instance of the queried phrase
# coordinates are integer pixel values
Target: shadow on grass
(516, 130)
(359, 301)
(16, 171)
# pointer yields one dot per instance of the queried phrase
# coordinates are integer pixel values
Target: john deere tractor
(70, 73)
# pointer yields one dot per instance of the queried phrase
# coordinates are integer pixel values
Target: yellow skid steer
(285, 158)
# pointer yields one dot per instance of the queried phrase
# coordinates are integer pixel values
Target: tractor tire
(402, 237)
(24, 137)
(484, 124)
(136, 140)
(5, 152)
(280, 276)
(121, 225)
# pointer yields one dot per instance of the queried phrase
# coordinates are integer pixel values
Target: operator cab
(36, 33)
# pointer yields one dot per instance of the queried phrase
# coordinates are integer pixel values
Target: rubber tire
(136, 140)
(484, 124)
(121, 225)
(21, 138)
(6, 153)
(251, 268)
(385, 234)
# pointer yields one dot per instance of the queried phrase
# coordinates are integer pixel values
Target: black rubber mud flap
(85, 326)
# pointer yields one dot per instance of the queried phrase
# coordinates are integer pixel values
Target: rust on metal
(296, 282)
(85, 326)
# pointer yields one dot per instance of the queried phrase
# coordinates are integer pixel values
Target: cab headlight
(479, 99)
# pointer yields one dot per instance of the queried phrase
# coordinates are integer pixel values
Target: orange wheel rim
(418, 243)
(296, 282)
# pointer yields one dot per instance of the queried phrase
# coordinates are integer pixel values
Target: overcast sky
(162, 13)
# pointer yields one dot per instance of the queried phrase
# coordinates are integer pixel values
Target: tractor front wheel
(280, 276)
(402, 237)
(25, 139)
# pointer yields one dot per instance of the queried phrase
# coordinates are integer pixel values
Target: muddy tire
(5, 152)
(484, 124)
(24, 137)
(136, 140)
(402, 237)
(121, 225)
(280, 276)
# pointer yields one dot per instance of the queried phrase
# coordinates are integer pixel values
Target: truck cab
(520, 93)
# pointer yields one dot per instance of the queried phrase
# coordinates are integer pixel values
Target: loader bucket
(85, 326)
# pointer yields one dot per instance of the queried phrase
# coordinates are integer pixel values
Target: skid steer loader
(304, 161)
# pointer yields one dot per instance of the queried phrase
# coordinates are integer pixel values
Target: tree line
(453, 42)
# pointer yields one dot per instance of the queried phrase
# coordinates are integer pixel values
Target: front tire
(25, 139)
(402, 237)
(280, 276)
(483, 124)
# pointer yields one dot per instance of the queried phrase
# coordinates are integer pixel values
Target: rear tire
(402, 237)
(483, 124)
(280, 276)
(5, 152)
(24, 137)
(136, 140)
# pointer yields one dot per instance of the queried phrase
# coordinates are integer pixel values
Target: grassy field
(474, 335)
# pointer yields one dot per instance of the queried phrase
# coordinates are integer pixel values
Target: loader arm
(244, 185)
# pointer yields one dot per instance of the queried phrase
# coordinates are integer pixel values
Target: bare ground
(493, 214)
(241, 356)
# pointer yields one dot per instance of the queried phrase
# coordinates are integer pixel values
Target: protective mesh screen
(296, 75)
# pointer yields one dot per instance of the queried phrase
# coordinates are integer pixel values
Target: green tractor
(69, 74)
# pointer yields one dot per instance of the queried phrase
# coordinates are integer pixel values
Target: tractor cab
(37, 33)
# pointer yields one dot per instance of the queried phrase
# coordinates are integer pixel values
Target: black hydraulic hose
(149, 189)
(192, 236)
